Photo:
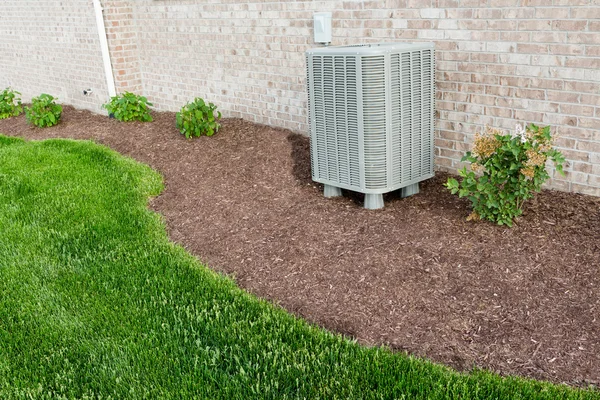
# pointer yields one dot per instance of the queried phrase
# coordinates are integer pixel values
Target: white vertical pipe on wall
(110, 79)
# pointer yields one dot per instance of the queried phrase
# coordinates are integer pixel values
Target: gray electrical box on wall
(371, 116)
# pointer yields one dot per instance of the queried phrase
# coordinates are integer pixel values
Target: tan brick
(540, 83)
(574, 109)
(518, 12)
(515, 81)
(530, 94)
(573, 176)
(419, 24)
(532, 48)
(515, 36)
(455, 56)
(575, 133)
(545, 60)
(450, 135)
(592, 123)
(459, 13)
(575, 155)
(584, 87)
(552, 12)
(457, 76)
(563, 96)
(446, 3)
(571, 49)
(444, 162)
(471, 88)
(549, 37)
(559, 119)
(585, 168)
(485, 36)
(473, 3)
(469, 108)
(502, 25)
(534, 25)
(456, 96)
(589, 98)
(484, 57)
(487, 13)
(524, 115)
(585, 13)
(445, 105)
(472, 67)
(481, 99)
(587, 38)
(459, 35)
(472, 24)
(588, 189)
(508, 47)
(592, 51)
(580, 62)
(569, 25)
(485, 79)
(499, 112)
(558, 184)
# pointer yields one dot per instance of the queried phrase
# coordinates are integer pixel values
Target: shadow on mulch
(414, 276)
(301, 157)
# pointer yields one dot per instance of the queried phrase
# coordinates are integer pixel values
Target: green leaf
(451, 183)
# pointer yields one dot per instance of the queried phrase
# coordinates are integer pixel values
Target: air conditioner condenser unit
(371, 118)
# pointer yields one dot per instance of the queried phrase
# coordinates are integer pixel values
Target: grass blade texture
(96, 302)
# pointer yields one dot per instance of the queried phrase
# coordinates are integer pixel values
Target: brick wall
(121, 33)
(499, 62)
(52, 47)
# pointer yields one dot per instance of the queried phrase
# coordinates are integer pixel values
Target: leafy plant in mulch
(44, 111)
(506, 170)
(10, 103)
(198, 119)
(129, 107)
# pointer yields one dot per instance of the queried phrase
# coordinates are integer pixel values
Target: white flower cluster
(520, 132)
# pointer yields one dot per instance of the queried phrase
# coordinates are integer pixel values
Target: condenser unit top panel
(369, 49)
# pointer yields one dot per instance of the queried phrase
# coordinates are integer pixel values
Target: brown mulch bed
(414, 276)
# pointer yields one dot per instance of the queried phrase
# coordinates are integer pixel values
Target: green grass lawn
(96, 302)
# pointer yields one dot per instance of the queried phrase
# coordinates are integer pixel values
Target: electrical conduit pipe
(110, 79)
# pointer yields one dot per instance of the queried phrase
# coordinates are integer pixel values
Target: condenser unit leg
(373, 201)
(332, 191)
(409, 190)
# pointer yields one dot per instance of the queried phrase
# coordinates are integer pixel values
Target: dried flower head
(528, 172)
(543, 148)
(535, 158)
(475, 167)
(485, 145)
(473, 217)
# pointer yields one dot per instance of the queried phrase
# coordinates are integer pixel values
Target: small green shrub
(198, 118)
(129, 107)
(43, 111)
(10, 103)
(505, 171)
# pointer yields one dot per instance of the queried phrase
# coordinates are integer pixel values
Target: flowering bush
(505, 171)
